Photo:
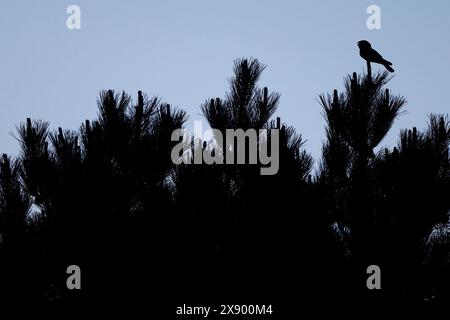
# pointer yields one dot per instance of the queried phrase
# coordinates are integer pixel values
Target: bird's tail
(388, 64)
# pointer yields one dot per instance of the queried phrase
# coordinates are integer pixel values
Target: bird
(371, 55)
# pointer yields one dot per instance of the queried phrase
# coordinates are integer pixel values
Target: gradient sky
(183, 51)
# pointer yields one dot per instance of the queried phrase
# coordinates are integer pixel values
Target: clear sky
(183, 52)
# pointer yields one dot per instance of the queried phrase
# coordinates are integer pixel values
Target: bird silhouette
(371, 55)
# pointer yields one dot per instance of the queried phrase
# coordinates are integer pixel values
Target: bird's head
(364, 44)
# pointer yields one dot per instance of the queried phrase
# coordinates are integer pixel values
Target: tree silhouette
(234, 233)
(357, 121)
(108, 198)
(414, 179)
(14, 207)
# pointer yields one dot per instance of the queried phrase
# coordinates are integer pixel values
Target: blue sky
(183, 51)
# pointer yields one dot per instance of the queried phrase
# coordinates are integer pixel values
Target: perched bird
(370, 55)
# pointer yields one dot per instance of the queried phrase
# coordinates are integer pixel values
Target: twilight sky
(183, 51)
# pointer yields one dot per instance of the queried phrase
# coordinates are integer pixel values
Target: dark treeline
(108, 198)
